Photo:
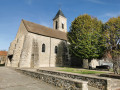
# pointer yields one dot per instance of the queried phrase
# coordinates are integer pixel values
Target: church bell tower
(60, 22)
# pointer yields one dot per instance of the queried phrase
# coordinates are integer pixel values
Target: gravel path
(12, 80)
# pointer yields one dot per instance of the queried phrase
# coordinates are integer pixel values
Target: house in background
(3, 55)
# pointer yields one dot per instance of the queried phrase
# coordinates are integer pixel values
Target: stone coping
(94, 81)
(66, 83)
(111, 76)
(85, 75)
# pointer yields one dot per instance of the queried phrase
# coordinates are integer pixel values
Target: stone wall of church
(17, 52)
(61, 20)
(27, 51)
(35, 54)
(56, 58)
(25, 58)
(44, 57)
(32, 55)
(10, 52)
(16, 47)
(12, 47)
(21, 31)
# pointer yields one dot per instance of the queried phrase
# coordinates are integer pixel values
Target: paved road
(12, 80)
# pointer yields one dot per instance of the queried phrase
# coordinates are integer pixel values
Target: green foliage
(86, 37)
(112, 30)
(112, 34)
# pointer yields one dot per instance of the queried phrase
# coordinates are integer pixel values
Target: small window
(56, 25)
(56, 49)
(62, 26)
(43, 47)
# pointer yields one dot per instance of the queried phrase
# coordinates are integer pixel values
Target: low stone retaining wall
(94, 81)
(65, 83)
(111, 76)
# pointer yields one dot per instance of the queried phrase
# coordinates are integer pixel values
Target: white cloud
(115, 14)
(112, 14)
(96, 1)
(106, 16)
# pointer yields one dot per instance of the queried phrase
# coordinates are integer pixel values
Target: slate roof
(45, 31)
(58, 13)
(3, 53)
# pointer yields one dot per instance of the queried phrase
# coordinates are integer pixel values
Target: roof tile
(3, 53)
(42, 30)
(58, 13)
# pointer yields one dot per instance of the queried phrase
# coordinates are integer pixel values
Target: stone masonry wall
(44, 57)
(60, 20)
(32, 55)
(35, 54)
(54, 57)
(12, 49)
(10, 52)
(94, 81)
(17, 52)
(65, 83)
(25, 58)
(26, 50)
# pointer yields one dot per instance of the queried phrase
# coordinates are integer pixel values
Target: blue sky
(43, 11)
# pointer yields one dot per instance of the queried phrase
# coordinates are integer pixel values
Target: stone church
(39, 46)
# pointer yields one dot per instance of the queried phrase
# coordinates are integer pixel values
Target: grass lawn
(81, 71)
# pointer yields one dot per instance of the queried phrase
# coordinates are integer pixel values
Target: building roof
(3, 53)
(58, 13)
(45, 31)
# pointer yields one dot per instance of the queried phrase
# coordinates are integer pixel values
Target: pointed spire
(59, 13)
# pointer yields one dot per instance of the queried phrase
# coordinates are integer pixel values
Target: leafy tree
(112, 33)
(86, 37)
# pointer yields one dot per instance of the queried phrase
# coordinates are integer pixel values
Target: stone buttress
(25, 59)
(17, 52)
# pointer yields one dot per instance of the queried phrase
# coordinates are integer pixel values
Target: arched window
(62, 26)
(56, 49)
(56, 26)
(43, 47)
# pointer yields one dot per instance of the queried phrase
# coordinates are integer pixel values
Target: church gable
(21, 31)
